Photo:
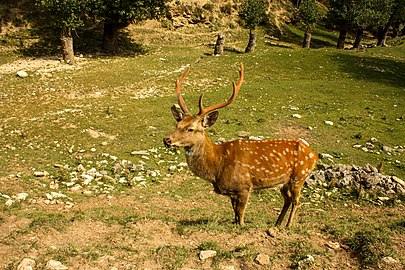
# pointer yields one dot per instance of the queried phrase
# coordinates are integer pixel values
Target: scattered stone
(296, 115)
(387, 149)
(26, 264)
(206, 254)
(333, 245)
(325, 156)
(399, 181)
(262, 259)
(9, 202)
(366, 178)
(329, 123)
(21, 196)
(55, 265)
(306, 263)
(22, 74)
(273, 231)
(39, 174)
(140, 152)
(243, 134)
(389, 260)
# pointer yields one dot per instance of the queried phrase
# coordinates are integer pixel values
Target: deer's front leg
(240, 201)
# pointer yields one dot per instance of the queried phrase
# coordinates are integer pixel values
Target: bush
(370, 246)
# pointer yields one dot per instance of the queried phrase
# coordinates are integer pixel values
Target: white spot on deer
(301, 162)
(311, 155)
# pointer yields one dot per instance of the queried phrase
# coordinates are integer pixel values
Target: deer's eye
(190, 130)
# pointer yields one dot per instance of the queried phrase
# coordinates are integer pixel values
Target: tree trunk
(342, 39)
(110, 37)
(382, 35)
(307, 40)
(219, 46)
(359, 37)
(67, 46)
(252, 42)
(395, 29)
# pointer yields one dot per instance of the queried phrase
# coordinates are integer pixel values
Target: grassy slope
(360, 91)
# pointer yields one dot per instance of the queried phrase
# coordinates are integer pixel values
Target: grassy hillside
(97, 113)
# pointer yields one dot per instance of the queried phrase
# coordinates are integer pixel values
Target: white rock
(22, 74)
(55, 265)
(306, 262)
(9, 202)
(296, 115)
(206, 254)
(389, 260)
(333, 245)
(21, 196)
(56, 195)
(262, 259)
(39, 174)
(140, 152)
(26, 264)
(398, 180)
(323, 156)
(330, 123)
(273, 231)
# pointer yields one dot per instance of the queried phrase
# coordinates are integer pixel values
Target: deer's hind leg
(285, 191)
(295, 200)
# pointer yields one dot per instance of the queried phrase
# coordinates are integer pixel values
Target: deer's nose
(167, 142)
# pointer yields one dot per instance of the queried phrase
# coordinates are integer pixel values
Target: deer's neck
(204, 159)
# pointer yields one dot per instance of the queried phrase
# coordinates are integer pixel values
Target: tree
(390, 12)
(118, 14)
(341, 15)
(364, 15)
(67, 16)
(309, 15)
(251, 14)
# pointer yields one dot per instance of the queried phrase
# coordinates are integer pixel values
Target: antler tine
(180, 99)
(236, 88)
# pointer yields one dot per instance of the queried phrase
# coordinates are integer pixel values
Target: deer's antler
(180, 99)
(236, 88)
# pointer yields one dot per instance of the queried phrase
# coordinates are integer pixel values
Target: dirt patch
(40, 65)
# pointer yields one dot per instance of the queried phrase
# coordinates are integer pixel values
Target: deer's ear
(210, 119)
(178, 115)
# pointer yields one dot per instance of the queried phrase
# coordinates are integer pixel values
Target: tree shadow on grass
(287, 34)
(381, 70)
(85, 41)
(40, 37)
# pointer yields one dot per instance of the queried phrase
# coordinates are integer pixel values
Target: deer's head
(190, 129)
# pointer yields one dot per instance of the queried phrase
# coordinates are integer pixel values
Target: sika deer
(238, 167)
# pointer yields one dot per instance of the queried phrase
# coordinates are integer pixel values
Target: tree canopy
(252, 13)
